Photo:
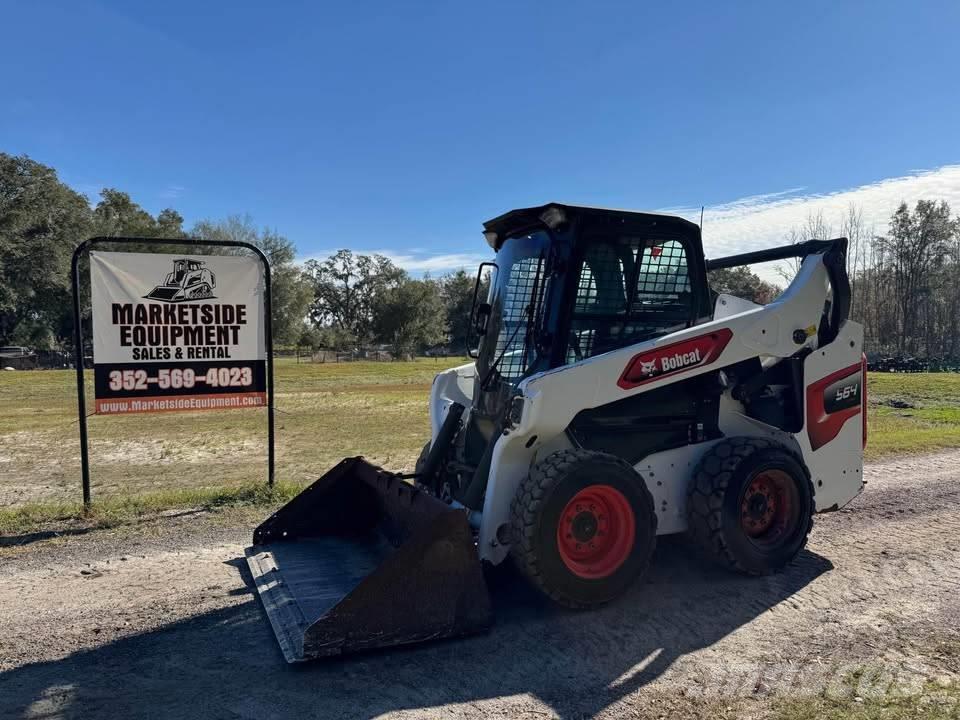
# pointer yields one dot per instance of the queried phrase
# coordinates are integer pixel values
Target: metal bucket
(163, 292)
(360, 560)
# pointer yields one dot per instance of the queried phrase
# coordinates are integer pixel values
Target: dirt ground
(163, 625)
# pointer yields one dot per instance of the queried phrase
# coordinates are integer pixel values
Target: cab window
(629, 289)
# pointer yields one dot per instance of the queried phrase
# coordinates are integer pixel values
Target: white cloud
(762, 221)
(172, 192)
(751, 223)
(419, 262)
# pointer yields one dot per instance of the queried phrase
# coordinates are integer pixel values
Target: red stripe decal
(674, 358)
(831, 401)
(863, 405)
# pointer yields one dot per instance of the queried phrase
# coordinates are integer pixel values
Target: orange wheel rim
(596, 532)
(767, 508)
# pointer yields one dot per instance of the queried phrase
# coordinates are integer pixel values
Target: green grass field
(324, 412)
(932, 423)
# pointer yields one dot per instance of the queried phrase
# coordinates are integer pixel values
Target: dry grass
(934, 701)
(324, 413)
(19, 523)
(141, 463)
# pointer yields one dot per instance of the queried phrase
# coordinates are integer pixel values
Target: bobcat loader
(613, 398)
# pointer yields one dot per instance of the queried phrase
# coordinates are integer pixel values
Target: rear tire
(584, 527)
(750, 505)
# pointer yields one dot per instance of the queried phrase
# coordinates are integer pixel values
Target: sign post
(175, 333)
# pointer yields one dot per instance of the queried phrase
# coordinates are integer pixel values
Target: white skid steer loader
(614, 398)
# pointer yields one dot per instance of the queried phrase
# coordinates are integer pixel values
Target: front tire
(750, 505)
(584, 527)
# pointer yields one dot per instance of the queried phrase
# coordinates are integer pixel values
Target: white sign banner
(177, 332)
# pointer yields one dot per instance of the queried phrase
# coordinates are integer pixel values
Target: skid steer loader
(190, 280)
(613, 398)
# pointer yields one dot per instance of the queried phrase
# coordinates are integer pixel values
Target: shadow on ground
(226, 664)
(40, 535)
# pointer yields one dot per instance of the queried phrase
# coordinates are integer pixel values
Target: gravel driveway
(162, 624)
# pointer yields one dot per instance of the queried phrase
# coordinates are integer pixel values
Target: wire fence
(302, 355)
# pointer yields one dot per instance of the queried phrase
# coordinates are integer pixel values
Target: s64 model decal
(832, 401)
(674, 358)
(843, 394)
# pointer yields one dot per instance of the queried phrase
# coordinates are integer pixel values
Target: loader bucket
(360, 560)
(163, 292)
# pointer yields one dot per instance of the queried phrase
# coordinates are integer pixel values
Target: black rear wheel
(584, 527)
(750, 505)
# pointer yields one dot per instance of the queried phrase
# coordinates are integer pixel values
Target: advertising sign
(177, 332)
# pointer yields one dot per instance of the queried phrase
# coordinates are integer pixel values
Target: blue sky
(402, 126)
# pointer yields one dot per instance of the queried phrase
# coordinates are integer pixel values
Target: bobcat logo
(657, 364)
(660, 364)
(649, 367)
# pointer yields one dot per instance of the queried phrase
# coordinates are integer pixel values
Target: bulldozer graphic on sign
(190, 280)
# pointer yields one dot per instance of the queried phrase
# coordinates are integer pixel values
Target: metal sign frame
(87, 245)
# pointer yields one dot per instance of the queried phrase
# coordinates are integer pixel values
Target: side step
(361, 560)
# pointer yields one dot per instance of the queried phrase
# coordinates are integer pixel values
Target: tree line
(904, 287)
(346, 302)
(903, 276)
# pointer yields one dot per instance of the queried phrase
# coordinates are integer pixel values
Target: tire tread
(525, 513)
(705, 497)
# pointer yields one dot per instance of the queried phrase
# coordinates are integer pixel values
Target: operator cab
(572, 282)
(182, 268)
(179, 269)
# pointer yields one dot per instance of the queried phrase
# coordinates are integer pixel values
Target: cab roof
(553, 215)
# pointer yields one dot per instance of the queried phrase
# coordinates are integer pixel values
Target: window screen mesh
(602, 270)
(662, 274)
(629, 290)
(525, 275)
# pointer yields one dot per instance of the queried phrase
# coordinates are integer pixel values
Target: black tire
(750, 505)
(538, 510)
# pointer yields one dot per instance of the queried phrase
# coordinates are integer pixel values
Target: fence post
(78, 362)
